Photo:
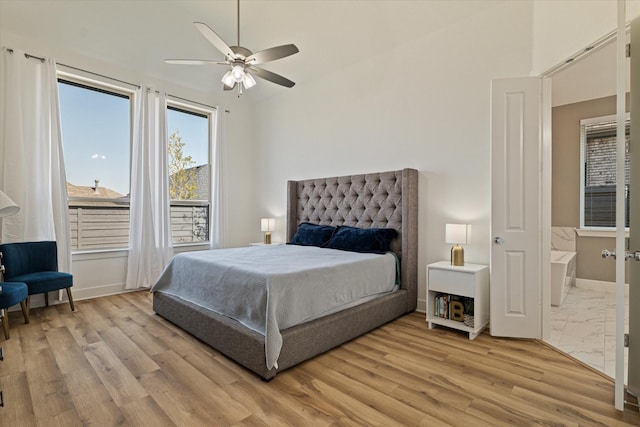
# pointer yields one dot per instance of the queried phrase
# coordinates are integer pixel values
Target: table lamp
(267, 225)
(457, 234)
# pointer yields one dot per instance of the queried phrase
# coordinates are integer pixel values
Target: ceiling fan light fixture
(248, 81)
(238, 73)
(228, 79)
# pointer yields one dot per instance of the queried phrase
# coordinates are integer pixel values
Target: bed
(375, 200)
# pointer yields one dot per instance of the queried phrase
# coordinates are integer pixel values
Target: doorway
(583, 323)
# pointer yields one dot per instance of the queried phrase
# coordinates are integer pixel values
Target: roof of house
(86, 191)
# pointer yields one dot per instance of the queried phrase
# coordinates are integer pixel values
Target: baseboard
(422, 306)
(78, 295)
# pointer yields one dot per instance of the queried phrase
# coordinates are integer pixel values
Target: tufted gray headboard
(374, 200)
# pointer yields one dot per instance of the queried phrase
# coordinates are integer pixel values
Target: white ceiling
(140, 34)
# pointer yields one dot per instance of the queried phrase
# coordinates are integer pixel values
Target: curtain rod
(28, 55)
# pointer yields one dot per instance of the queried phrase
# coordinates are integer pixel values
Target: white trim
(602, 232)
(99, 83)
(98, 291)
(601, 119)
(545, 205)
(99, 254)
(190, 105)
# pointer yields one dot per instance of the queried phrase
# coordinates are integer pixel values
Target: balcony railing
(104, 223)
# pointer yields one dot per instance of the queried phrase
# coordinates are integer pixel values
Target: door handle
(498, 240)
(606, 253)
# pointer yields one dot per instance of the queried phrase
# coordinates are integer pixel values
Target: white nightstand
(264, 244)
(465, 284)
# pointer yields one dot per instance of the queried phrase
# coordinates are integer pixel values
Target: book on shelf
(442, 305)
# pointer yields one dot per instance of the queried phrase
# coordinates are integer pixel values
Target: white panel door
(633, 379)
(516, 291)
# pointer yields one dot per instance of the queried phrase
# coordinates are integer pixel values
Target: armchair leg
(5, 322)
(46, 299)
(25, 311)
(73, 308)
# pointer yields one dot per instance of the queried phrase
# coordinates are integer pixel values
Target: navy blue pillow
(312, 234)
(371, 240)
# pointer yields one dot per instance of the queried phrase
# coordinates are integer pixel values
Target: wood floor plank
(353, 408)
(139, 334)
(91, 399)
(18, 408)
(120, 383)
(68, 418)
(13, 355)
(268, 406)
(176, 401)
(81, 329)
(132, 357)
(146, 412)
(69, 356)
(226, 409)
(114, 362)
(49, 394)
(396, 410)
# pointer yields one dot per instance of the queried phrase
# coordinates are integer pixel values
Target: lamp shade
(458, 234)
(267, 224)
(7, 206)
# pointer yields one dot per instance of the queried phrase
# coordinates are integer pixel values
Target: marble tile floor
(584, 327)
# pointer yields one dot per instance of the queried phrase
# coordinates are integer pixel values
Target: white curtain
(31, 157)
(219, 235)
(150, 245)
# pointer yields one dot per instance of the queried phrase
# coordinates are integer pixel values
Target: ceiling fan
(241, 60)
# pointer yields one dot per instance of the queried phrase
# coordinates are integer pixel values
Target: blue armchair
(36, 264)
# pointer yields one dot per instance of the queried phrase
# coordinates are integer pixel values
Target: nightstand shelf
(468, 283)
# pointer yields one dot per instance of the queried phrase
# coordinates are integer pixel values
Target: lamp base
(457, 255)
(267, 238)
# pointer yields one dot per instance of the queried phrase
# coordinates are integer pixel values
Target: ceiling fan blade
(192, 61)
(272, 54)
(225, 87)
(272, 77)
(214, 39)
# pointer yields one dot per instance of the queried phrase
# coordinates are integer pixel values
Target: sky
(96, 137)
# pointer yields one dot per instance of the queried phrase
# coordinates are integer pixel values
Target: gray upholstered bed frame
(386, 199)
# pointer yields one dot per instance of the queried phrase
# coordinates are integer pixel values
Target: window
(598, 172)
(96, 129)
(189, 173)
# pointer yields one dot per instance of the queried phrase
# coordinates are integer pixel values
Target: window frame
(187, 107)
(102, 85)
(583, 159)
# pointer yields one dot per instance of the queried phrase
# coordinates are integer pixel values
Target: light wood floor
(114, 362)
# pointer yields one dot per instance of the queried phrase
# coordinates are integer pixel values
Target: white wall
(424, 104)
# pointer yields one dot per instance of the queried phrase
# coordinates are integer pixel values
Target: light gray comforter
(271, 288)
